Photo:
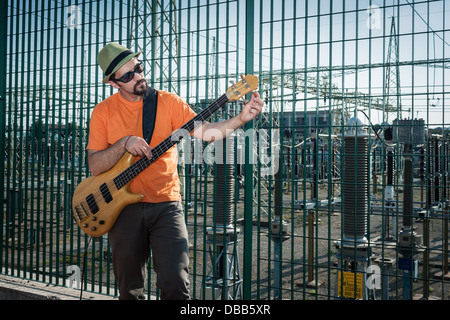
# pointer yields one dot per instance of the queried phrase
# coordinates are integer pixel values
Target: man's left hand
(252, 108)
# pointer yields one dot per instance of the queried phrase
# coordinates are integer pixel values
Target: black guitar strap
(149, 113)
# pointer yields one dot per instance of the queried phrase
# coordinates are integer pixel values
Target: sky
(54, 44)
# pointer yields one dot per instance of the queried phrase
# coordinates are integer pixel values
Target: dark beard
(140, 91)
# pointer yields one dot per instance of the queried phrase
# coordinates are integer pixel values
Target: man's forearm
(218, 130)
(103, 160)
(215, 131)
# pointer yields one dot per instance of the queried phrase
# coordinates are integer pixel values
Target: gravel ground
(306, 277)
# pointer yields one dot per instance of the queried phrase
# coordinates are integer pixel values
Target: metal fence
(339, 190)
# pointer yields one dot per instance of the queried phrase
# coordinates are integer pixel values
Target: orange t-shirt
(115, 117)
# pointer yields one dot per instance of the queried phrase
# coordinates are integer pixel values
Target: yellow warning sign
(348, 288)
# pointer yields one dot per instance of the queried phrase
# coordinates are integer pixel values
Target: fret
(137, 167)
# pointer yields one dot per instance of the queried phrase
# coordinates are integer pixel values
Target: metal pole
(311, 219)
(3, 48)
(426, 254)
(248, 192)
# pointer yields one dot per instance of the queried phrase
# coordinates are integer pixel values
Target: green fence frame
(319, 64)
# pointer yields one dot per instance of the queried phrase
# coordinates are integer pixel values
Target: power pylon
(392, 97)
(154, 31)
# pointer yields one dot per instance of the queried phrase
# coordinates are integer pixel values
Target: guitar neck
(132, 171)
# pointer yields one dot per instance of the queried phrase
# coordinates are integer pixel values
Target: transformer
(353, 250)
(355, 182)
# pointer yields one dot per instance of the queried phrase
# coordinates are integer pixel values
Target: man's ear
(114, 84)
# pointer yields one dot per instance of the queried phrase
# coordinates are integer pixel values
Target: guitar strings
(141, 164)
(169, 142)
(144, 162)
(128, 174)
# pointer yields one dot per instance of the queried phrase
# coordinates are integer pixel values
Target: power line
(426, 23)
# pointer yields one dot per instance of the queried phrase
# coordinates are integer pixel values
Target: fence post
(248, 192)
(3, 49)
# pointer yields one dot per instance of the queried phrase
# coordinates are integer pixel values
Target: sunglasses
(127, 77)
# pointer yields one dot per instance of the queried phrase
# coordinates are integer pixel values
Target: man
(157, 222)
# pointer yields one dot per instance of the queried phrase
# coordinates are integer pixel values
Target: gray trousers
(161, 227)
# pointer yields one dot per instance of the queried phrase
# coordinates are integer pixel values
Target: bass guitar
(98, 200)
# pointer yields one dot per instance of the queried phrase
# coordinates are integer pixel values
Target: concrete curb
(13, 288)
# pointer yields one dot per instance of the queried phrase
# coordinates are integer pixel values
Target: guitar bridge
(80, 212)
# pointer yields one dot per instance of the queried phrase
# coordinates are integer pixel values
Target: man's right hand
(137, 146)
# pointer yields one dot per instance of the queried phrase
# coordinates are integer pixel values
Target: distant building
(301, 122)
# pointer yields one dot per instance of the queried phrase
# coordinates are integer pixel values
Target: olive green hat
(112, 57)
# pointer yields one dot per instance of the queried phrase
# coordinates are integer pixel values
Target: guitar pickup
(105, 193)
(92, 204)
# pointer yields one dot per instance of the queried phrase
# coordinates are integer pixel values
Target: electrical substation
(338, 190)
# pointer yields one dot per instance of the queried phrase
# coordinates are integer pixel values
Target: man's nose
(138, 76)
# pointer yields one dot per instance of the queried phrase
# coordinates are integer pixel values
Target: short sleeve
(98, 133)
(181, 112)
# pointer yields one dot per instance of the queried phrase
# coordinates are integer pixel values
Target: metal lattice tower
(392, 98)
(154, 31)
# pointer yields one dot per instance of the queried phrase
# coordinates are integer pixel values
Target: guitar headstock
(248, 84)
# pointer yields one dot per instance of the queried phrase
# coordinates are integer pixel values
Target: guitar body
(99, 223)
